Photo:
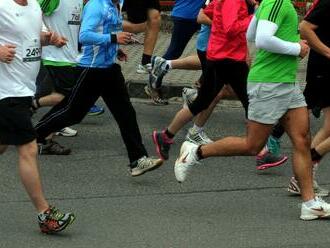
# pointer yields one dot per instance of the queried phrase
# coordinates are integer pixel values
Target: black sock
(278, 131)
(146, 59)
(169, 134)
(199, 153)
(315, 155)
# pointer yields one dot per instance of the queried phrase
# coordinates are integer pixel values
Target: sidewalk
(175, 80)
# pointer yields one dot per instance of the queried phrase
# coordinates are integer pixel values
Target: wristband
(113, 38)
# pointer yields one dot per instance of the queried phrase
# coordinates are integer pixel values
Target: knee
(253, 150)
(29, 150)
(302, 141)
(154, 19)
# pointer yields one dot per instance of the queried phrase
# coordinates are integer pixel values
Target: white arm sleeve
(252, 29)
(266, 39)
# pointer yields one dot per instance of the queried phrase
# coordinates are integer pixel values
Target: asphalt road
(224, 203)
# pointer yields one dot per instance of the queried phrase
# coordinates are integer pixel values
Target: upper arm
(48, 6)
(91, 18)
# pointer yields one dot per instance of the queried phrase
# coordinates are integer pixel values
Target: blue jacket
(100, 19)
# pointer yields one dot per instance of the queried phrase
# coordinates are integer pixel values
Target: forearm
(92, 38)
(313, 40)
(266, 40)
(203, 19)
(252, 30)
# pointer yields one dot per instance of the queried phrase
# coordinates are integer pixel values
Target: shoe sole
(307, 218)
(270, 165)
(65, 135)
(154, 139)
(95, 114)
(64, 153)
(157, 165)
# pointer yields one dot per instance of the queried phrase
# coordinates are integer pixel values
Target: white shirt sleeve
(252, 29)
(266, 39)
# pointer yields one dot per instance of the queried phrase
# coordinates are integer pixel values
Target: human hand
(7, 53)
(121, 55)
(304, 48)
(124, 38)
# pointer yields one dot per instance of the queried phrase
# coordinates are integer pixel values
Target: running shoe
(186, 160)
(198, 138)
(269, 160)
(51, 147)
(158, 71)
(95, 110)
(163, 144)
(295, 189)
(155, 96)
(144, 69)
(320, 209)
(53, 221)
(145, 164)
(274, 145)
(67, 132)
(188, 96)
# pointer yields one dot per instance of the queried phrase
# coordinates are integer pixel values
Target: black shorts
(137, 10)
(15, 121)
(63, 78)
(318, 87)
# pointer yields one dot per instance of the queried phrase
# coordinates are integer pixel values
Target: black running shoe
(163, 144)
(53, 148)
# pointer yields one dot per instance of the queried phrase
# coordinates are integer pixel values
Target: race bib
(31, 50)
(75, 16)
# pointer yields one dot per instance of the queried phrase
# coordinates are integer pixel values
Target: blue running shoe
(274, 145)
(95, 110)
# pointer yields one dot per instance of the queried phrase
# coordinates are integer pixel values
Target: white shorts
(268, 102)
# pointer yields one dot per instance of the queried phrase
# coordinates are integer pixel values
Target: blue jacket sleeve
(92, 18)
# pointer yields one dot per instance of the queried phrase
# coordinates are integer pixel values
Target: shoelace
(145, 162)
(55, 214)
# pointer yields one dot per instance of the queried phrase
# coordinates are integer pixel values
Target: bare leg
(321, 141)
(249, 145)
(134, 28)
(296, 124)
(202, 118)
(151, 35)
(51, 100)
(28, 169)
(191, 62)
(181, 118)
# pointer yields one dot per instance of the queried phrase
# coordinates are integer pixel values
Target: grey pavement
(225, 203)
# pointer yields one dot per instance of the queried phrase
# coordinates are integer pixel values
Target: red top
(230, 20)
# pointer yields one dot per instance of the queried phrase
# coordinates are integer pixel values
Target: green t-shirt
(271, 67)
(48, 6)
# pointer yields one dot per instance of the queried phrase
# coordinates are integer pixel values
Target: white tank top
(65, 20)
(20, 26)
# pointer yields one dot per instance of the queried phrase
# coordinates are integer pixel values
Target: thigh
(238, 81)
(317, 89)
(115, 91)
(182, 32)
(268, 102)
(15, 121)
(137, 10)
(64, 78)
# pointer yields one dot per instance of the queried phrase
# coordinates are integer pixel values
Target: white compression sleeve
(266, 39)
